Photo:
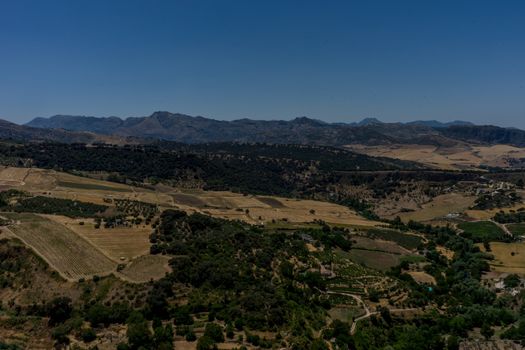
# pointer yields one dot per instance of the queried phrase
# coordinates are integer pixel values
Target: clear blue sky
(331, 60)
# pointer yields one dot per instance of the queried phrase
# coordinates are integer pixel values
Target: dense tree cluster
(59, 206)
(499, 199)
(510, 217)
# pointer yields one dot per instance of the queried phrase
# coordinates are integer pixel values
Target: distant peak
(306, 120)
(369, 121)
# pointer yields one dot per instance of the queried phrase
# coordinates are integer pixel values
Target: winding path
(368, 313)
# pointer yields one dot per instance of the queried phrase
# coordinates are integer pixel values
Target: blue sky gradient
(229, 59)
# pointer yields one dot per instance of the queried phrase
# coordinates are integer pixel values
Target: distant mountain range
(184, 128)
(303, 130)
(429, 123)
(12, 131)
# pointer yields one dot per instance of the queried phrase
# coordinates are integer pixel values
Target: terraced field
(69, 254)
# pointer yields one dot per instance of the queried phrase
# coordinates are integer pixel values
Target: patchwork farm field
(77, 249)
(223, 204)
(80, 251)
(119, 243)
(69, 254)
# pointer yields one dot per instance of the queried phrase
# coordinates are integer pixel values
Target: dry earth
(453, 158)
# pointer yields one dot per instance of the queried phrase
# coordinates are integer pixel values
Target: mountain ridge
(302, 130)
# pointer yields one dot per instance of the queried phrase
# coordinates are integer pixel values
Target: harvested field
(508, 257)
(439, 207)
(119, 243)
(81, 182)
(272, 202)
(188, 200)
(452, 158)
(13, 176)
(69, 254)
(146, 268)
(422, 277)
(91, 186)
(219, 202)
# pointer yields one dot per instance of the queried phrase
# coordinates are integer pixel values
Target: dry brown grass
(453, 158)
(230, 205)
(508, 257)
(422, 277)
(439, 207)
(447, 253)
(14, 176)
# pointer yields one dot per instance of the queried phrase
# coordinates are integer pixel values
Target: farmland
(508, 257)
(482, 230)
(146, 268)
(64, 250)
(406, 240)
(449, 158)
(439, 207)
(516, 229)
(102, 248)
(385, 250)
(119, 243)
(378, 260)
(250, 208)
